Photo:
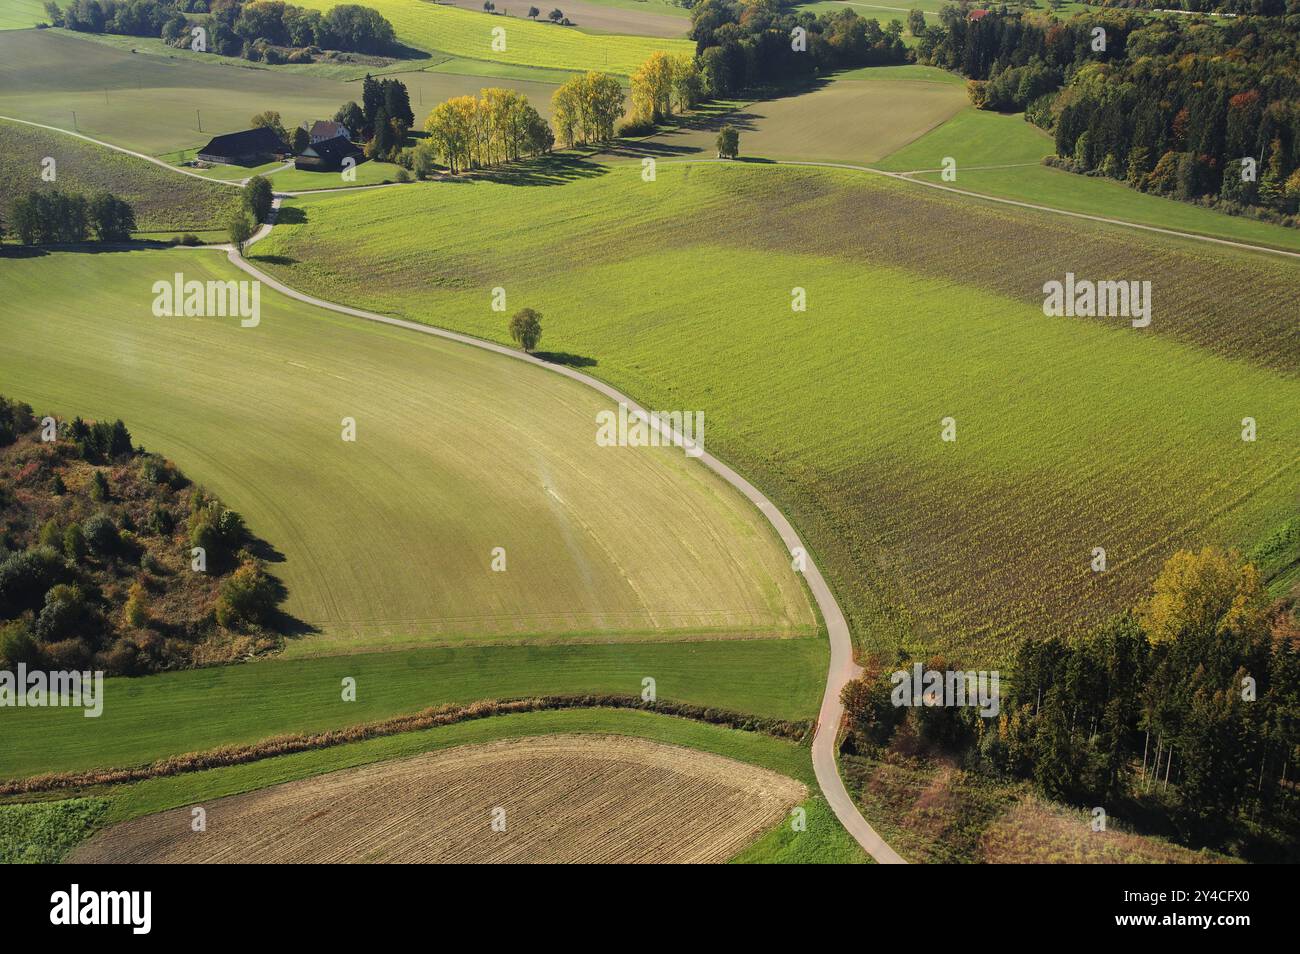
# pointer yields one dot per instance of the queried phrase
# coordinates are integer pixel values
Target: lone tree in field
(241, 228)
(728, 143)
(534, 13)
(258, 198)
(526, 328)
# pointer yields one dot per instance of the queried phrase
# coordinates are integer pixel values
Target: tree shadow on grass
(565, 358)
(544, 171)
(274, 259)
(290, 215)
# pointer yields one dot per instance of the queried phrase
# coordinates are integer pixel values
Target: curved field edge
(391, 538)
(861, 487)
(153, 717)
(1000, 155)
(826, 840)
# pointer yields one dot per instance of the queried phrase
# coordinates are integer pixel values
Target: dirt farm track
(574, 798)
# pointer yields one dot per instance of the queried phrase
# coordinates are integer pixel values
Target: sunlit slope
(1071, 433)
(430, 26)
(390, 538)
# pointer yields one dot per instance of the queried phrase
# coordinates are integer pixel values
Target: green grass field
(152, 717)
(60, 824)
(885, 115)
(148, 103)
(684, 295)
(21, 14)
(389, 540)
(1012, 149)
(367, 173)
(465, 33)
(163, 201)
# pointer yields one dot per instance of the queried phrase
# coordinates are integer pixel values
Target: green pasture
(999, 155)
(390, 540)
(469, 34)
(156, 104)
(151, 717)
(920, 307)
(21, 14)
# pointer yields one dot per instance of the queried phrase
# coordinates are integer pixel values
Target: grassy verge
(823, 840)
(151, 717)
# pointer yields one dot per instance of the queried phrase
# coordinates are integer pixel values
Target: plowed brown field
(565, 799)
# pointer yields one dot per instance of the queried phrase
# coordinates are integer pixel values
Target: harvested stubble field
(921, 306)
(161, 199)
(816, 125)
(594, 799)
(431, 26)
(633, 19)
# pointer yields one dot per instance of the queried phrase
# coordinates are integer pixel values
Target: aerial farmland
(648, 431)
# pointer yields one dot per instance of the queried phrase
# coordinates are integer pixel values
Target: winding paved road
(842, 667)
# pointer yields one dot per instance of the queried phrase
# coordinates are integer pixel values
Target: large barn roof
(245, 143)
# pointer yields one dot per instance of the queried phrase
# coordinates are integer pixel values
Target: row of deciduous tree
(497, 126)
(45, 217)
(586, 109)
(664, 85)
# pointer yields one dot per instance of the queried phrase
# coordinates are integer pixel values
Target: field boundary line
(907, 177)
(130, 152)
(451, 713)
(842, 666)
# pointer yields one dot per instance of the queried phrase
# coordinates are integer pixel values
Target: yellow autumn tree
(1210, 591)
(136, 610)
(586, 108)
(652, 89)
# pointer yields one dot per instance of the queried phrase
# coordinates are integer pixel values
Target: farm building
(324, 129)
(977, 15)
(328, 156)
(251, 147)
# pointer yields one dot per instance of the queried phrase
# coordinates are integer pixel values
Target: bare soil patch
(566, 798)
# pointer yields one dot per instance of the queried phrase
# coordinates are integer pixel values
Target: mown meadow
(920, 308)
(391, 539)
(152, 717)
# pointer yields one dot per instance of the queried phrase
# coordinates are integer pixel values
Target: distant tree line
(48, 217)
(1271, 8)
(1187, 709)
(749, 45)
(260, 30)
(1168, 106)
